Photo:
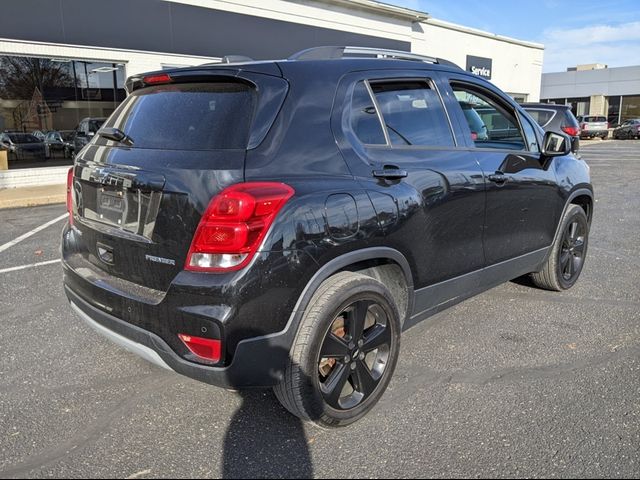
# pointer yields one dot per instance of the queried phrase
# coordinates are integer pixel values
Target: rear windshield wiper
(116, 135)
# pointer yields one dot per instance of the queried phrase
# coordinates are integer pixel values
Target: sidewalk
(32, 196)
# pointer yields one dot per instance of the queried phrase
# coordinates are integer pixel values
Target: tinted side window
(364, 118)
(499, 129)
(413, 113)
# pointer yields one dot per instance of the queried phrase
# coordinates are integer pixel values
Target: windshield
(202, 116)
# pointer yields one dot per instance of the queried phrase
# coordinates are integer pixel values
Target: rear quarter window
(203, 116)
(595, 119)
(542, 117)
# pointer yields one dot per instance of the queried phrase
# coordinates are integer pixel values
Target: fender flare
(351, 258)
(573, 195)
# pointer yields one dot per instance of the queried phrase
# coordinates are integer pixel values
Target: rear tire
(334, 376)
(569, 251)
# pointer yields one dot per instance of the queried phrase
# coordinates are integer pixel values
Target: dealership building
(62, 61)
(595, 89)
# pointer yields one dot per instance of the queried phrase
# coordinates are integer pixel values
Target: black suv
(278, 224)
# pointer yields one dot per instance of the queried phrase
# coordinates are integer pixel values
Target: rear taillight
(234, 225)
(573, 131)
(157, 79)
(70, 195)
(583, 126)
(205, 348)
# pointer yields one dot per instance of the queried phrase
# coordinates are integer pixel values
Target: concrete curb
(32, 196)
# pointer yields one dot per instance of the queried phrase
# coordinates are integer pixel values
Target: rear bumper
(259, 362)
(593, 133)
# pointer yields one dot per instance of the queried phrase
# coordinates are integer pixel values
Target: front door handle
(499, 178)
(390, 173)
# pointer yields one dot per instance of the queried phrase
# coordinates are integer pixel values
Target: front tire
(345, 352)
(564, 265)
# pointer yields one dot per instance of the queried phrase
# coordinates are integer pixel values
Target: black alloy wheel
(573, 250)
(345, 351)
(566, 260)
(354, 354)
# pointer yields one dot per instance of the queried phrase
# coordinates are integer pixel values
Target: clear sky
(573, 32)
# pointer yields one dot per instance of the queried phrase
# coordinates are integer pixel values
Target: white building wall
(607, 82)
(516, 66)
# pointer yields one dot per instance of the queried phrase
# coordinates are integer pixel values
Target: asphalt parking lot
(517, 382)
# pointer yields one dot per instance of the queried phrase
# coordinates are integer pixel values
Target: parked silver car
(592, 126)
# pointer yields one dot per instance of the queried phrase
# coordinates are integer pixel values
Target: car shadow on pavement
(263, 440)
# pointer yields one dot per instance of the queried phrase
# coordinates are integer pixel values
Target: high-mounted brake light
(234, 225)
(70, 195)
(157, 79)
(205, 348)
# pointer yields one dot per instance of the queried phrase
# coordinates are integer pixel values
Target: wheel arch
(582, 197)
(385, 264)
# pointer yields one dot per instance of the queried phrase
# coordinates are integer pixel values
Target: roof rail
(236, 59)
(332, 53)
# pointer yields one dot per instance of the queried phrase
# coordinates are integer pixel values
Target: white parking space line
(31, 265)
(31, 233)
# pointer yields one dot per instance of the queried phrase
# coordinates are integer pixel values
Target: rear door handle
(390, 173)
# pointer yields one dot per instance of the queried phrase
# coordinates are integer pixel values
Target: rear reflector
(573, 131)
(234, 225)
(205, 348)
(70, 195)
(157, 79)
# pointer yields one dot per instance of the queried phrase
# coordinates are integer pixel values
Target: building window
(47, 99)
(613, 110)
(556, 101)
(579, 106)
(519, 97)
(630, 108)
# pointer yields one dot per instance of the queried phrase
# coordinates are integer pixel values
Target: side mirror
(556, 144)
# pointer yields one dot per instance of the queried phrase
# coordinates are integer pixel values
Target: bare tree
(20, 76)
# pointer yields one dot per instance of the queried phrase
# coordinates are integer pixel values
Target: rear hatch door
(137, 206)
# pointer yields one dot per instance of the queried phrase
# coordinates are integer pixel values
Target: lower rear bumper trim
(124, 342)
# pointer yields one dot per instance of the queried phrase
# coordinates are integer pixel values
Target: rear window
(542, 117)
(203, 116)
(594, 119)
(570, 119)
